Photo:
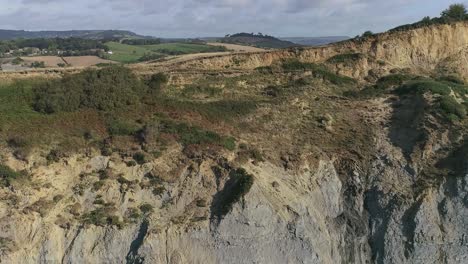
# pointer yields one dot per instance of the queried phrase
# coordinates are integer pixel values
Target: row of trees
(62, 44)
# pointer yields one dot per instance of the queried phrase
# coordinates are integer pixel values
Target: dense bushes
(447, 105)
(423, 86)
(103, 89)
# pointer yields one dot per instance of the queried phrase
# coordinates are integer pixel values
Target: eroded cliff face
(380, 180)
(420, 50)
(327, 209)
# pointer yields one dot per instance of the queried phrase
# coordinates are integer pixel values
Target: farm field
(85, 61)
(132, 53)
(49, 61)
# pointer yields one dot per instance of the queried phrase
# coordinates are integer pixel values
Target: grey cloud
(193, 18)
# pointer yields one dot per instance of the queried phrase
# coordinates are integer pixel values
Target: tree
(426, 20)
(367, 34)
(455, 11)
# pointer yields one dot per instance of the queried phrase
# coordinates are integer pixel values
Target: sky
(205, 18)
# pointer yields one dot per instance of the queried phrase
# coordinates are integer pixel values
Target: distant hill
(87, 34)
(258, 40)
(315, 41)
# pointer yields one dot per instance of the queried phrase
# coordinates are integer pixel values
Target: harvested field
(49, 61)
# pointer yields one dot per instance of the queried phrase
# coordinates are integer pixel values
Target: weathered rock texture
(326, 209)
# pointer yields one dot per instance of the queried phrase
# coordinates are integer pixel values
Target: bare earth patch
(235, 47)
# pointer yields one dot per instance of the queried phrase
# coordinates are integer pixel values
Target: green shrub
(265, 69)
(102, 216)
(151, 57)
(392, 80)
(157, 81)
(367, 34)
(7, 175)
(17, 61)
(146, 208)
(451, 107)
(103, 89)
(140, 158)
(240, 186)
(190, 135)
(272, 91)
(423, 86)
(193, 90)
(122, 128)
(38, 64)
(223, 110)
(451, 78)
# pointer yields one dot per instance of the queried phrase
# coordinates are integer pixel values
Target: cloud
(193, 18)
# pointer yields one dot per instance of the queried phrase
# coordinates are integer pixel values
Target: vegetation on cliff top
(455, 13)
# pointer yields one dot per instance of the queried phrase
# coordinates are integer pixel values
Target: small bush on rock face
(157, 81)
(139, 158)
(239, 185)
(451, 107)
(7, 175)
(146, 208)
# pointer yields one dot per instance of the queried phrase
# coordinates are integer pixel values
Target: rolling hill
(87, 34)
(258, 40)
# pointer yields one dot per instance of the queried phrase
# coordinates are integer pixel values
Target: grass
(181, 48)
(190, 135)
(133, 53)
(125, 53)
(7, 175)
(223, 110)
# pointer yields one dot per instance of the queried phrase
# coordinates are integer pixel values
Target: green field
(130, 53)
(125, 53)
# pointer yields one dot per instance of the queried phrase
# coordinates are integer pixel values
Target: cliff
(336, 179)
